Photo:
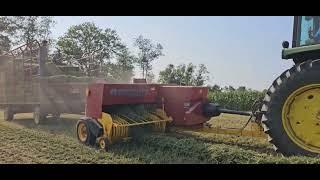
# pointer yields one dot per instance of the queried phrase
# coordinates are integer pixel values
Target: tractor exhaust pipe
(43, 56)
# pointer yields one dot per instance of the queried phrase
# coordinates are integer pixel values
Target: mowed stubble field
(55, 142)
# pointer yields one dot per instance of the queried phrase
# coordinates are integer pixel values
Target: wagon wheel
(38, 116)
(8, 114)
(56, 116)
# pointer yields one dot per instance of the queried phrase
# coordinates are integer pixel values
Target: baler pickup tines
(249, 128)
(142, 123)
(121, 124)
(120, 121)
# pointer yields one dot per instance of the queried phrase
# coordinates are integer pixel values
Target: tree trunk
(143, 71)
(146, 73)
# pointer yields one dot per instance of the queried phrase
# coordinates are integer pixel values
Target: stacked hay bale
(16, 83)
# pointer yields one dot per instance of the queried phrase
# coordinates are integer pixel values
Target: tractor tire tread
(297, 76)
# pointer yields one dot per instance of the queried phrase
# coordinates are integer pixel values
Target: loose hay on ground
(41, 147)
(22, 143)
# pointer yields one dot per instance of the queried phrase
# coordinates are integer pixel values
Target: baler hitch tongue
(228, 111)
(255, 129)
(213, 109)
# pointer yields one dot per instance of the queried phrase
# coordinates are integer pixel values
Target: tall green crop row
(236, 100)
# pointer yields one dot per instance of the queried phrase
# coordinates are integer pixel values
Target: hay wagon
(30, 83)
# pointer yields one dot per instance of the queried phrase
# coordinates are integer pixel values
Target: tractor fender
(94, 126)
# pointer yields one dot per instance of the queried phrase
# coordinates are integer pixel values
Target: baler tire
(105, 143)
(8, 114)
(90, 139)
(300, 75)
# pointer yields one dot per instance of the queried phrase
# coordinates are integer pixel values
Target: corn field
(236, 100)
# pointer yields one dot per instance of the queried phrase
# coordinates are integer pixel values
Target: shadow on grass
(65, 125)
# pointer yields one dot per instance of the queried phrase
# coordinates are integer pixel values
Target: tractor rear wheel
(84, 135)
(291, 110)
(8, 114)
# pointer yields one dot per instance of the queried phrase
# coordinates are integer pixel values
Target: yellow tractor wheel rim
(301, 117)
(82, 132)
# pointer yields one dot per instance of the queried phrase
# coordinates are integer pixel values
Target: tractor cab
(305, 40)
(308, 32)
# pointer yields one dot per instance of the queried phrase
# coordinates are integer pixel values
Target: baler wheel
(8, 114)
(103, 144)
(84, 134)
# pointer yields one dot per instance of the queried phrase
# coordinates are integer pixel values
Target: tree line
(96, 51)
(100, 52)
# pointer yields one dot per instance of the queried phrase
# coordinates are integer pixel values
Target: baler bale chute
(118, 111)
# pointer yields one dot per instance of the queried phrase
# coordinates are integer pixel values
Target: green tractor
(291, 106)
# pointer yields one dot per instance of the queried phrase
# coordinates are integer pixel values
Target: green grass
(22, 145)
(54, 142)
(229, 121)
(167, 149)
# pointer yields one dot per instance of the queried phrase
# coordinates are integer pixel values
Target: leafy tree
(215, 88)
(189, 73)
(167, 76)
(148, 52)
(57, 57)
(150, 77)
(6, 30)
(229, 88)
(4, 43)
(202, 75)
(24, 29)
(90, 47)
(122, 70)
(184, 75)
(241, 88)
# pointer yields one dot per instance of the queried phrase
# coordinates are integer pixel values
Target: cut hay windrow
(256, 144)
(40, 147)
(23, 145)
(165, 149)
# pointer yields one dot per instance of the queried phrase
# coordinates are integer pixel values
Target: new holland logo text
(128, 92)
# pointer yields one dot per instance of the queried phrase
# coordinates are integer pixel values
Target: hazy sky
(237, 50)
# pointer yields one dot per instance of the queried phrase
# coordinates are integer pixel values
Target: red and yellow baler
(118, 111)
